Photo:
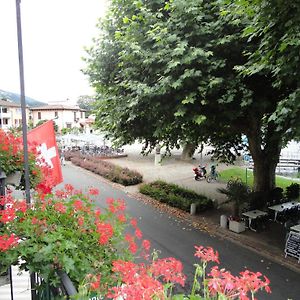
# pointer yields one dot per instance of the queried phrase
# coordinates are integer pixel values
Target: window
(74, 116)
(4, 121)
(69, 125)
(81, 114)
(4, 110)
(56, 114)
(39, 115)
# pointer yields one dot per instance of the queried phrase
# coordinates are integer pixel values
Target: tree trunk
(265, 159)
(264, 174)
(188, 151)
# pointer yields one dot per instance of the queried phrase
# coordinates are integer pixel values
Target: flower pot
(14, 178)
(236, 226)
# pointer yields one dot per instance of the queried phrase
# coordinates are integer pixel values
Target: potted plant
(237, 194)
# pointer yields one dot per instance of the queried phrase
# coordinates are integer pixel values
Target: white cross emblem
(47, 154)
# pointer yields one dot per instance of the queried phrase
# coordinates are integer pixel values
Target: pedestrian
(62, 155)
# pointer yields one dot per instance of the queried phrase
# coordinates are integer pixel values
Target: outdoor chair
(283, 216)
(260, 223)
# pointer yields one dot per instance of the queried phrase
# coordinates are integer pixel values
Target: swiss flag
(44, 137)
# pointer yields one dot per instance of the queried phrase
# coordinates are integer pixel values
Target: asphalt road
(176, 238)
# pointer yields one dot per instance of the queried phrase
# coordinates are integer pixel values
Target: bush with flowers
(65, 231)
(156, 280)
(12, 160)
(96, 248)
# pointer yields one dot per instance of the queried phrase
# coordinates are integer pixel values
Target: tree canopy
(180, 70)
(87, 103)
(275, 25)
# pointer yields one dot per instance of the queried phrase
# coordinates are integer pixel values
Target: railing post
(67, 283)
(11, 283)
(33, 285)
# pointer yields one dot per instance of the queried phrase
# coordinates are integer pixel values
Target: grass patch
(238, 172)
(176, 196)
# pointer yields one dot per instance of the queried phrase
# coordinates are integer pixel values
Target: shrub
(107, 170)
(70, 154)
(292, 191)
(175, 196)
(276, 195)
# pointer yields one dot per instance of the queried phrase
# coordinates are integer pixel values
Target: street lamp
(23, 103)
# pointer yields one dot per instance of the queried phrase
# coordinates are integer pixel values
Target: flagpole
(23, 103)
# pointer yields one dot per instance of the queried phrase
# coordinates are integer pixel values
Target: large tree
(87, 103)
(175, 77)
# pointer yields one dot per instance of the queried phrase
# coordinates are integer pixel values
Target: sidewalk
(269, 243)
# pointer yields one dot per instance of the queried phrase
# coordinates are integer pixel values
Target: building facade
(11, 115)
(64, 116)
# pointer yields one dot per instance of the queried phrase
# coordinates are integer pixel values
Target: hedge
(108, 170)
(176, 196)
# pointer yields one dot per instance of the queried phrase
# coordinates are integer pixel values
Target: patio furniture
(253, 216)
(283, 207)
(295, 228)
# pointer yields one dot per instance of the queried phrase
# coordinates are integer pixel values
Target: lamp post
(23, 103)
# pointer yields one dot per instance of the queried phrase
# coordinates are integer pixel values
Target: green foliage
(292, 191)
(87, 103)
(275, 25)
(237, 193)
(170, 71)
(65, 131)
(64, 231)
(175, 196)
(12, 159)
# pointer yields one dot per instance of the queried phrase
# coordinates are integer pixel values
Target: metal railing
(42, 290)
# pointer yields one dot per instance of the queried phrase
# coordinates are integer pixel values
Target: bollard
(223, 221)
(193, 209)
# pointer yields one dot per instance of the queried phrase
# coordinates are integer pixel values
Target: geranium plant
(66, 231)
(12, 159)
(157, 279)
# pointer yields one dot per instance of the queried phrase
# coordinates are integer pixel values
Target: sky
(54, 33)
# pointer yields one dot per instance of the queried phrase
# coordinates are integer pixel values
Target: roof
(57, 107)
(8, 103)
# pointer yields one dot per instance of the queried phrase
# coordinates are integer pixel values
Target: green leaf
(125, 20)
(180, 113)
(176, 84)
(199, 119)
(68, 263)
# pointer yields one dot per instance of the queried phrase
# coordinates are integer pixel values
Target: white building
(11, 114)
(64, 116)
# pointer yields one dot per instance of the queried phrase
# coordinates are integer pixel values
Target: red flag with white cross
(44, 137)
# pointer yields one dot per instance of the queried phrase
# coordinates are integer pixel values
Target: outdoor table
(253, 214)
(295, 228)
(281, 207)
